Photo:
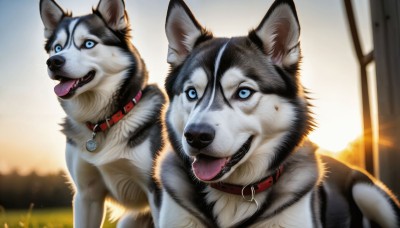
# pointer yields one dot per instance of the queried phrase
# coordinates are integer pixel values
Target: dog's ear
(113, 13)
(279, 32)
(183, 32)
(51, 14)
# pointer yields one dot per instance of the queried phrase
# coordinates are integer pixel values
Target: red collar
(110, 121)
(250, 189)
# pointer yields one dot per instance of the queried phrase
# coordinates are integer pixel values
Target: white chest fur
(231, 209)
(296, 215)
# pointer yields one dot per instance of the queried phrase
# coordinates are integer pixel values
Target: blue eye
(57, 48)
(89, 44)
(191, 94)
(244, 93)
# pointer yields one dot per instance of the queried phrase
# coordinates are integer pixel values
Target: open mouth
(207, 168)
(67, 86)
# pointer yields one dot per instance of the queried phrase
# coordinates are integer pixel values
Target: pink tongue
(64, 87)
(206, 168)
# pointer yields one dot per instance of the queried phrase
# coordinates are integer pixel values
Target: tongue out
(206, 168)
(64, 87)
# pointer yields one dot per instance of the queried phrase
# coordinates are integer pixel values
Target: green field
(50, 218)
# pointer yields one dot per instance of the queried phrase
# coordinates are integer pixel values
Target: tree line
(43, 191)
(50, 191)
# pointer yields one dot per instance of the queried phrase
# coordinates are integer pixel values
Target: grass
(38, 218)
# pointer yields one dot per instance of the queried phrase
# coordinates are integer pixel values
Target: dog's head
(236, 103)
(85, 52)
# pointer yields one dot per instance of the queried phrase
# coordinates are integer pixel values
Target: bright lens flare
(334, 142)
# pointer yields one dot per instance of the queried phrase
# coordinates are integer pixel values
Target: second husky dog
(113, 126)
(238, 122)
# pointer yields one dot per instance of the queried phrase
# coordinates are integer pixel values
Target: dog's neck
(249, 189)
(300, 174)
(109, 121)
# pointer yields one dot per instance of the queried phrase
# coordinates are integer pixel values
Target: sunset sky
(30, 115)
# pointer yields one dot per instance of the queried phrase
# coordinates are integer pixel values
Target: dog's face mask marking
(220, 116)
(230, 97)
(84, 51)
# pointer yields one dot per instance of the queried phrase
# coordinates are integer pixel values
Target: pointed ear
(51, 14)
(183, 32)
(279, 33)
(113, 13)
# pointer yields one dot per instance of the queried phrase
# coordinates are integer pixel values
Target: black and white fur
(238, 101)
(96, 49)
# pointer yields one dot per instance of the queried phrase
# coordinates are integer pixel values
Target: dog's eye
(191, 94)
(89, 44)
(57, 48)
(244, 93)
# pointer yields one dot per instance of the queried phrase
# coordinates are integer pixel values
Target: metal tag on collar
(91, 144)
(252, 199)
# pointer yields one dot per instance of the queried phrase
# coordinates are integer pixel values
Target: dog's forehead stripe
(216, 67)
(70, 32)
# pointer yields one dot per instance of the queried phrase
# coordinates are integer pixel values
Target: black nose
(199, 135)
(55, 63)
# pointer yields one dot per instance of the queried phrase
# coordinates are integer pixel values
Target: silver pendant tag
(91, 144)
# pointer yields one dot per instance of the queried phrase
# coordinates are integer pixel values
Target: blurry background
(29, 112)
(32, 146)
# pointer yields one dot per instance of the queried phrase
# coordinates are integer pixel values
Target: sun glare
(332, 141)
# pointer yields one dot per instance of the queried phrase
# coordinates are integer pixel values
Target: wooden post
(385, 15)
(363, 61)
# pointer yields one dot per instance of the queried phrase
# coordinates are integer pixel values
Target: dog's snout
(199, 135)
(55, 63)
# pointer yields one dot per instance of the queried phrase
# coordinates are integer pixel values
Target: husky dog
(113, 125)
(238, 122)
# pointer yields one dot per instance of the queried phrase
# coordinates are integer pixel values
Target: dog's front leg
(88, 204)
(88, 211)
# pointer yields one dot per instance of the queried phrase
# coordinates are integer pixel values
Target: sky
(30, 137)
